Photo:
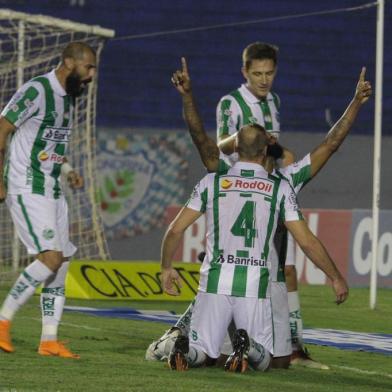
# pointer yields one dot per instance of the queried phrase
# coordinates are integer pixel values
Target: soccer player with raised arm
(255, 102)
(210, 155)
(242, 206)
(39, 117)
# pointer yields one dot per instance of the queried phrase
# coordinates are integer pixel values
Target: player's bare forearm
(313, 248)
(334, 138)
(169, 246)
(341, 129)
(208, 150)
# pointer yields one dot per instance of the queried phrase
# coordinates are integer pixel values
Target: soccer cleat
(177, 360)
(5, 338)
(238, 360)
(54, 348)
(155, 351)
(302, 358)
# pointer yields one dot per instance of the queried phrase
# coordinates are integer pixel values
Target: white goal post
(31, 45)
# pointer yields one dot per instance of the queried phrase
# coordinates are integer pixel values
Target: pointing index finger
(362, 74)
(184, 65)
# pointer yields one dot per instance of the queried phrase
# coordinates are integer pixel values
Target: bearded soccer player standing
(39, 117)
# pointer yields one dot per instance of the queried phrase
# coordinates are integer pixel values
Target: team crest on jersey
(226, 184)
(14, 108)
(55, 114)
(252, 120)
(48, 234)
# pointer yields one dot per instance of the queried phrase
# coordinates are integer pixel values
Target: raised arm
(314, 249)
(206, 146)
(6, 128)
(340, 130)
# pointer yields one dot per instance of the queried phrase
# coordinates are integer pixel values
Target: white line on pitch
(360, 371)
(81, 326)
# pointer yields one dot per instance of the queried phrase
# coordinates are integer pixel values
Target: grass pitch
(112, 352)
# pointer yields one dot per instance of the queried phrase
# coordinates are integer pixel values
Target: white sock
(184, 322)
(24, 288)
(258, 356)
(296, 325)
(196, 357)
(52, 303)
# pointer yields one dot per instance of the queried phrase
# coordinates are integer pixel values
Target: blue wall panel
(320, 56)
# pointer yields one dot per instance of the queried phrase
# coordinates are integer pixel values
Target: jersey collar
(54, 82)
(249, 166)
(249, 96)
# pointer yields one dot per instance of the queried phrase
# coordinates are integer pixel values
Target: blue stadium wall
(320, 56)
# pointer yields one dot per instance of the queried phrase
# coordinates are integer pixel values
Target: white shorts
(41, 223)
(281, 345)
(290, 255)
(213, 313)
(280, 316)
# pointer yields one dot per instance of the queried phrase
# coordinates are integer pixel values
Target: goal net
(31, 45)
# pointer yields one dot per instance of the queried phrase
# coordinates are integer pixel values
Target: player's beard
(74, 86)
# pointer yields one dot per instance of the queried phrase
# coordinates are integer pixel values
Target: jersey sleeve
(24, 104)
(227, 117)
(298, 174)
(199, 196)
(289, 208)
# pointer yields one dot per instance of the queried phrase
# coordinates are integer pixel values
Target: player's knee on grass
(290, 273)
(280, 362)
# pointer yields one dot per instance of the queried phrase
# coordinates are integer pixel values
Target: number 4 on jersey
(244, 226)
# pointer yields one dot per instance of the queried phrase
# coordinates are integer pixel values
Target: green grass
(112, 352)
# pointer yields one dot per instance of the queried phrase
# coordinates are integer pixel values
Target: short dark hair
(76, 50)
(252, 139)
(259, 51)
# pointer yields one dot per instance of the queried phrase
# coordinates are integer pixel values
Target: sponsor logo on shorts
(226, 184)
(231, 259)
(48, 234)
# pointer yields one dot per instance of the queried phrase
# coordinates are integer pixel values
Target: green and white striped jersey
(298, 175)
(242, 207)
(42, 113)
(241, 107)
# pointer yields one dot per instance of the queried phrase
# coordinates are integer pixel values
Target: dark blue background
(320, 57)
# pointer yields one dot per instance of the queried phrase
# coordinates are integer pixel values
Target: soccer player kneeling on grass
(242, 207)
